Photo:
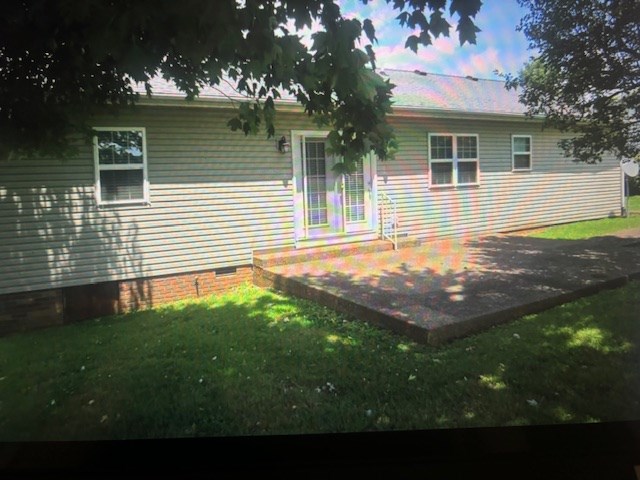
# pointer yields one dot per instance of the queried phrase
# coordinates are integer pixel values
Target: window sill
(125, 203)
(454, 187)
(520, 170)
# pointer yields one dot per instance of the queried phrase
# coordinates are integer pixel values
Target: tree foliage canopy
(586, 78)
(62, 61)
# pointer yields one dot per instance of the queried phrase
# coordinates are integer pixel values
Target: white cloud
(397, 56)
(482, 64)
(497, 49)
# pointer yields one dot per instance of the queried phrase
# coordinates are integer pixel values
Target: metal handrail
(388, 219)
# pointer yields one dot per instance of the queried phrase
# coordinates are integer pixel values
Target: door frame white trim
(373, 165)
(297, 157)
(301, 237)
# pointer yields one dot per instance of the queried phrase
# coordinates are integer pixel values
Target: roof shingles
(416, 91)
(451, 93)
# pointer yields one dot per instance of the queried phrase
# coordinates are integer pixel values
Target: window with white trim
(120, 156)
(453, 159)
(521, 152)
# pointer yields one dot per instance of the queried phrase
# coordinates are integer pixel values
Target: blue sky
(499, 46)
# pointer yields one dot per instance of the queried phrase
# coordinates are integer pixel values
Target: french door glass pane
(354, 194)
(315, 165)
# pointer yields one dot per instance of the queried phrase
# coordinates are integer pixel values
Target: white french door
(329, 204)
(356, 194)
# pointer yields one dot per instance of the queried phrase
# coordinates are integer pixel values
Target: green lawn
(255, 362)
(593, 228)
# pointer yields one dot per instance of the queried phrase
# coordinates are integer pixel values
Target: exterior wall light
(283, 145)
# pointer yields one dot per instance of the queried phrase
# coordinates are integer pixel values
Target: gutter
(419, 112)
(295, 107)
(170, 101)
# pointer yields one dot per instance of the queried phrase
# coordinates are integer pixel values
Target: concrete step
(266, 261)
(408, 242)
(268, 279)
(455, 287)
(287, 256)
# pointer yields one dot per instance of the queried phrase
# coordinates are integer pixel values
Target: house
(169, 203)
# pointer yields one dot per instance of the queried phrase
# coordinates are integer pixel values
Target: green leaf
(368, 83)
(344, 167)
(198, 43)
(412, 43)
(234, 124)
(438, 25)
(372, 56)
(403, 18)
(418, 18)
(467, 31)
(369, 30)
(319, 41)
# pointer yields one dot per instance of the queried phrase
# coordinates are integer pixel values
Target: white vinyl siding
(120, 162)
(521, 152)
(216, 195)
(453, 159)
(503, 201)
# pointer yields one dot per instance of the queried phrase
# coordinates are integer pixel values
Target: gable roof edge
(419, 112)
(291, 107)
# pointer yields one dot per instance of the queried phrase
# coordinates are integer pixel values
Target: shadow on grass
(255, 363)
(576, 363)
(225, 365)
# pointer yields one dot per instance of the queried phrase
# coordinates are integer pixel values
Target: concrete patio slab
(451, 288)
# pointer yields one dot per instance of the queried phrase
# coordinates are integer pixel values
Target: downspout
(623, 198)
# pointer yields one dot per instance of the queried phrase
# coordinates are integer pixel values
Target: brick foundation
(150, 292)
(30, 310)
(44, 308)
